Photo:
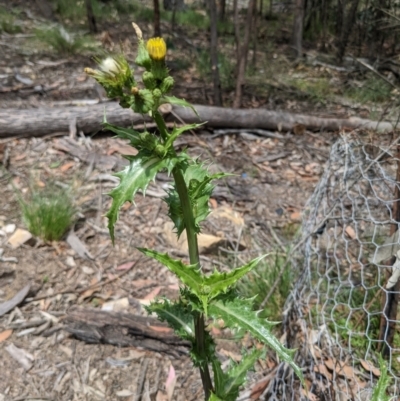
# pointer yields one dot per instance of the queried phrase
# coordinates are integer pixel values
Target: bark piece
(21, 356)
(19, 237)
(44, 121)
(123, 330)
(5, 307)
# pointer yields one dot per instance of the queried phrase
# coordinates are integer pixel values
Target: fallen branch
(124, 330)
(46, 121)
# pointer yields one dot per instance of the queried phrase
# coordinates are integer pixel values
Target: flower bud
(167, 84)
(148, 80)
(110, 66)
(157, 93)
(157, 49)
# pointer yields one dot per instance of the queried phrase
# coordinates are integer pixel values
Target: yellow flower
(157, 49)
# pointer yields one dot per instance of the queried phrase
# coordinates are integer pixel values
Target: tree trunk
(346, 30)
(242, 62)
(339, 17)
(214, 53)
(90, 17)
(298, 28)
(221, 10)
(236, 24)
(157, 27)
(170, 5)
(46, 9)
(255, 36)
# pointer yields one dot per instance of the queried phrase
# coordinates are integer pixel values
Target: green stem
(182, 190)
(162, 127)
(194, 258)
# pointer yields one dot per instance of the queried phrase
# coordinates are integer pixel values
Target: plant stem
(194, 258)
(162, 127)
(182, 190)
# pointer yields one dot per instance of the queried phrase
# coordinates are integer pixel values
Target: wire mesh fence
(343, 312)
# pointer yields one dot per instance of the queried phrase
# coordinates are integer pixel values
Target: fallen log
(45, 121)
(123, 330)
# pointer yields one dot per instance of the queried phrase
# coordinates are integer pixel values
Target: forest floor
(255, 211)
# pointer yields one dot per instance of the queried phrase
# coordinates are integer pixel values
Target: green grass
(259, 282)
(373, 90)
(73, 11)
(48, 212)
(64, 43)
(8, 23)
(226, 68)
(317, 89)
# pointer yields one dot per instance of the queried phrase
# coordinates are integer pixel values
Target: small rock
(19, 237)
(87, 270)
(10, 228)
(118, 305)
(70, 261)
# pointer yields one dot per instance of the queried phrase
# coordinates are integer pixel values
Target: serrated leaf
(218, 283)
(178, 131)
(177, 315)
(125, 133)
(198, 182)
(380, 389)
(137, 175)
(178, 102)
(238, 313)
(189, 275)
(227, 384)
(213, 397)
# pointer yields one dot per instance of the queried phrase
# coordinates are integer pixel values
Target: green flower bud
(160, 150)
(157, 93)
(143, 59)
(144, 101)
(167, 84)
(148, 80)
(148, 141)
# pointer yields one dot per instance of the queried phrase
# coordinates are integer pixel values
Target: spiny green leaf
(380, 389)
(198, 181)
(177, 315)
(178, 131)
(175, 212)
(178, 102)
(137, 175)
(238, 313)
(218, 283)
(227, 384)
(189, 275)
(213, 397)
(125, 133)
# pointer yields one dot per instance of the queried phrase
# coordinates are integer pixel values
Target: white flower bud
(110, 66)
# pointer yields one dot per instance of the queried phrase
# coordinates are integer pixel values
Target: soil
(272, 180)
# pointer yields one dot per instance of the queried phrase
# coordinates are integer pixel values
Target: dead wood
(45, 121)
(124, 330)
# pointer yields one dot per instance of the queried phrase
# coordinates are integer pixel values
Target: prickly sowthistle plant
(202, 297)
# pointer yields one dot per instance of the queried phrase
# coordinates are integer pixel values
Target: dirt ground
(256, 210)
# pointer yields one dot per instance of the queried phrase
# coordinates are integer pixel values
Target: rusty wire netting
(343, 311)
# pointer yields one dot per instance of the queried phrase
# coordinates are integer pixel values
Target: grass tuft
(373, 90)
(48, 212)
(259, 282)
(7, 22)
(63, 42)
